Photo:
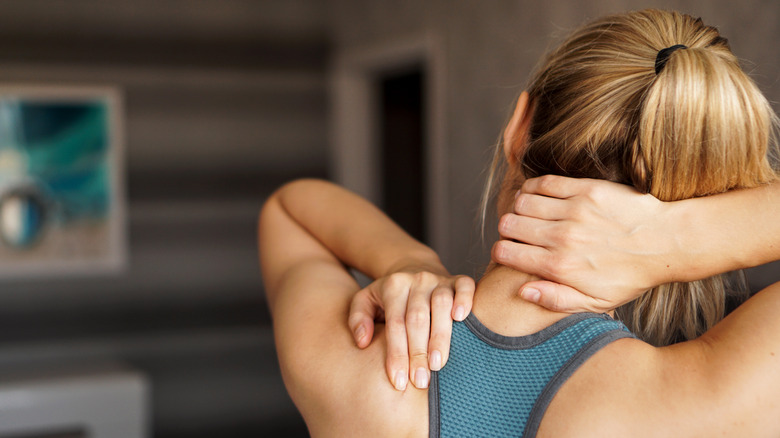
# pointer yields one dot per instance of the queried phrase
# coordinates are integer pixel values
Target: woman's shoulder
(339, 389)
(617, 382)
(347, 393)
(631, 388)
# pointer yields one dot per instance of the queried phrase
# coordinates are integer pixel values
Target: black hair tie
(663, 56)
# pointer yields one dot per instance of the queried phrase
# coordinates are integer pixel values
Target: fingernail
(435, 360)
(531, 294)
(517, 193)
(360, 333)
(460, 313)
(400, 380)
(421, 378)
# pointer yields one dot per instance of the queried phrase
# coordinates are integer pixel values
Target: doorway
(388, 131)
(402, 150)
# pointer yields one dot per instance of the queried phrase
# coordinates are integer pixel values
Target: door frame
(355, 140)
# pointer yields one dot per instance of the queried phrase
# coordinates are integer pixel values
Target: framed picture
(62, 197)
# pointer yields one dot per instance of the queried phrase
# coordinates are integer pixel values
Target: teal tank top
(500, 386)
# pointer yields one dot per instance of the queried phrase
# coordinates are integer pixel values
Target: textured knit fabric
(500, 386)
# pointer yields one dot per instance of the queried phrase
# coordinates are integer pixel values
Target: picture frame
(62, 188)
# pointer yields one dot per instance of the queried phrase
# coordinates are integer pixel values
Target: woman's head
(599, 110)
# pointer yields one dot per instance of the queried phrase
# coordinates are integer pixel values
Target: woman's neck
(499, 307)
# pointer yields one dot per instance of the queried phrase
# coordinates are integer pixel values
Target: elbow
(269, 209)
(276, 227)
(271, 219)
(275, 205)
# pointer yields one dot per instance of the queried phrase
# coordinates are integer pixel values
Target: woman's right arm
(601, 244)
(310, 222)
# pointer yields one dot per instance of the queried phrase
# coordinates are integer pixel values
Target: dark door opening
(402, 140)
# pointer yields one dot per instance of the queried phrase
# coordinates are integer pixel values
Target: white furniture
(90, 401)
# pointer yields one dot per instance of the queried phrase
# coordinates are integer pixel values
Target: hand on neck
(499, 307)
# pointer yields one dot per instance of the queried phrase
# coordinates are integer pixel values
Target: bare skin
(301, 231)
(428, 304)
(344, 391)
(575, 230)
(723, 383)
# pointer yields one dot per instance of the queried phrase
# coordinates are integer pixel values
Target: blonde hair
(698, 127)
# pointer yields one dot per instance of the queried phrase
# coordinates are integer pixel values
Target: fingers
(525, 229)
(464, 298)
(561, 298)
(441, 327)
(362, 312)
(418, 328)
(527, 258)
(395, 330)
(554, 186)
(540, 207)
(417, 309)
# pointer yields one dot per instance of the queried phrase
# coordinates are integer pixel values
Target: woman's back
(626, 388)
(510, 358)
(495, 385)
(343, 391)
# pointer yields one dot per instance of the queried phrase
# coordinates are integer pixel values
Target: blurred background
(221, 102)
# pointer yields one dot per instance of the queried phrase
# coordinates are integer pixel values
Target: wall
(491, 48)
(224, 100)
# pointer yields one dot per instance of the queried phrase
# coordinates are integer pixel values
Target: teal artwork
(58, 194)
(21, 217)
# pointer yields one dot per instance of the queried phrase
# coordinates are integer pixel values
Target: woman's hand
(418, 307)
(596, 244)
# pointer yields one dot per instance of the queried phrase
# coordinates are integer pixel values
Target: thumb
(362, 312)
(560, 298)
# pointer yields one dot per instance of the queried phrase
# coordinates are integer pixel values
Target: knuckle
(558, 303)
(418, 318)
(554, 267)
(562, 266)
(392, 294)
(355, 317)
(592, 192)
(390, 282)
(500, 251)
(397, 360)
(440, 338)
(521, 202)
(441, 297)
(535, 232)
(396, 280)
(505, 224)
(567, 234)
(527, 186)
(418, 356)
(395, 325)
(424, 277)
(464, 281)
(358, 306)
(546, 183)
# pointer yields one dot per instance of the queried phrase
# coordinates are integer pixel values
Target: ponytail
(691, 124)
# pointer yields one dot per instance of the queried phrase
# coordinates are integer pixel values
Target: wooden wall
(224, 100)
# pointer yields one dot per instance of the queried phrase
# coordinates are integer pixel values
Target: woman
(617, 101)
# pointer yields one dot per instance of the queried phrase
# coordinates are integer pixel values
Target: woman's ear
(516, 132)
